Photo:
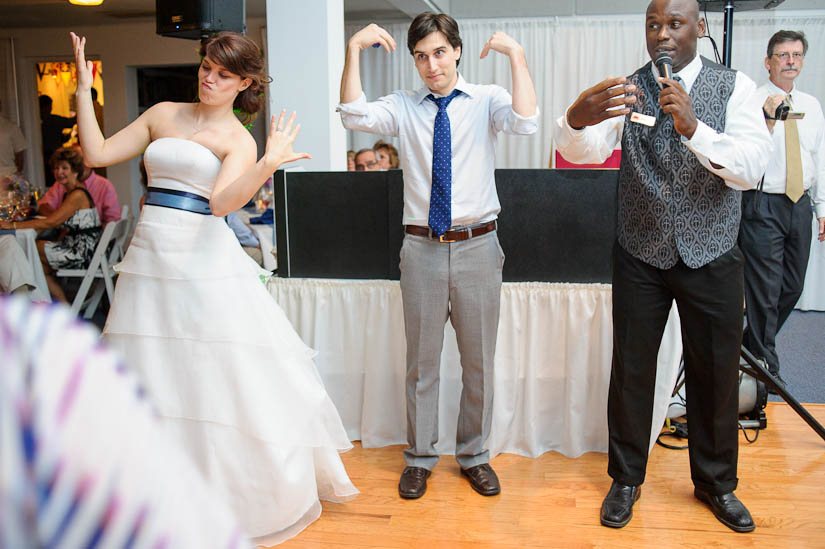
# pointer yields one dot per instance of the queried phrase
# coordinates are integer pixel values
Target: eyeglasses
(369, 164)
(785, 55)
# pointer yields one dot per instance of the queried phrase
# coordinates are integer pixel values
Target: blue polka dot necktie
(440, 195)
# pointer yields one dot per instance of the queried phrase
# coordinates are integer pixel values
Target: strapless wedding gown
(231, 379)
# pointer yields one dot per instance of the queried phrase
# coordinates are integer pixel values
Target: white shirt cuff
(357, 107)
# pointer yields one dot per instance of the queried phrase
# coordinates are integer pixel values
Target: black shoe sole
(411, 496)
(612, 524)
(740, 529)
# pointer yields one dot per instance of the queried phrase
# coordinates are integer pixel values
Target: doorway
(56, 87)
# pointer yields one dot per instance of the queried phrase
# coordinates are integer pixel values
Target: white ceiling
(53, 13)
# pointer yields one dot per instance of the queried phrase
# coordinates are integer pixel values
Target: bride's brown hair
(241, 56)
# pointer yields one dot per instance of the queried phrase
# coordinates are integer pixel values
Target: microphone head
(665, 65)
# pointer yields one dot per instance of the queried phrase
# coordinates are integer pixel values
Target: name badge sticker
(640, 118)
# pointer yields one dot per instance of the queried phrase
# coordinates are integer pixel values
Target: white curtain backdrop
(568, 54)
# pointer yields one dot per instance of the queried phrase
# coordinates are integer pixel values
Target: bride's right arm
(98, 151)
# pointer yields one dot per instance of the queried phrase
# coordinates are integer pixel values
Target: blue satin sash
(178, 200)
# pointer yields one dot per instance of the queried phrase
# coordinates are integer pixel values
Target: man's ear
(701, 28)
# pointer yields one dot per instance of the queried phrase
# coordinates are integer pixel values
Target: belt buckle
(442, 239)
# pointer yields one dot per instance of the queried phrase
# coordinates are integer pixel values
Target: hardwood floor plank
(554, 501)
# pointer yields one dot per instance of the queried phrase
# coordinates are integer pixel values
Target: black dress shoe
(413, 482)
(483, 479)
(728, 509)
(617, 507)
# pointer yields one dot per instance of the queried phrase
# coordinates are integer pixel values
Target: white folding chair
(109, 251)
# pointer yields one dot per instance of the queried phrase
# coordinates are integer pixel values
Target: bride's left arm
(231, 193)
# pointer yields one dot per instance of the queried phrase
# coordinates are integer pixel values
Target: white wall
(121, 48)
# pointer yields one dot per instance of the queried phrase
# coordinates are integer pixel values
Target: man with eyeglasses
(365, 161)
(775, 234)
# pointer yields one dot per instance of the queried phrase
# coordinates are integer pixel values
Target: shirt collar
(688, 73)
(773, 88)
(461, 85)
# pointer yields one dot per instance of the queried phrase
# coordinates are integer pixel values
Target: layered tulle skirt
(233, 382)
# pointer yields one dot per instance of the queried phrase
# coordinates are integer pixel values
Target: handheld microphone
(665, 65)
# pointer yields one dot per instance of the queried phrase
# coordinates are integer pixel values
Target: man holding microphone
(690, 144)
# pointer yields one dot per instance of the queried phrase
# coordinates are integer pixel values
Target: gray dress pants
(460, 281)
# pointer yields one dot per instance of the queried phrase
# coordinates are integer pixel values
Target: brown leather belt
(453, 235)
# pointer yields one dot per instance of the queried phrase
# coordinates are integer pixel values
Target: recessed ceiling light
(86, 2)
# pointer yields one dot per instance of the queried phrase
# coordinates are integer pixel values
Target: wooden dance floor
(553, 501)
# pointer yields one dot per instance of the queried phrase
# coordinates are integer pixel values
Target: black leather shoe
(413, 482)
(617, 507)
(728, 509)
(483, 479)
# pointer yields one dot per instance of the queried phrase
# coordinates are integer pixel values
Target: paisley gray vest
(670, 206)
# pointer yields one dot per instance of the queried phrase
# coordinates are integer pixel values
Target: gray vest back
(670, 206)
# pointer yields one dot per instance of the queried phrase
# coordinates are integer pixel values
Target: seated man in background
(102, 191)
(366, 161)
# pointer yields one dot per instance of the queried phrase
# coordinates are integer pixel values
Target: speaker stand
(756, 370)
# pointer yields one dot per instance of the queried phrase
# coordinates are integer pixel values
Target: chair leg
(94, 301)
(77, 304)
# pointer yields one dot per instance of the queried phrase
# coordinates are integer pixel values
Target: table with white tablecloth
(813, 293)
(27, 240)
(552, 365)
(265, 234)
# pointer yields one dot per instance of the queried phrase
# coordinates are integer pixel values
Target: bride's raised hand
(85, 77)
(282, 135)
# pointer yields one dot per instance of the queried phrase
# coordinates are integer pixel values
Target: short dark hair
(783, 36)
(70, 155)
(427, 23)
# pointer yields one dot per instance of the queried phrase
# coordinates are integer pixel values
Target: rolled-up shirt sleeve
(590, 145)
(377, 116)
(507, 120)
(740, 154)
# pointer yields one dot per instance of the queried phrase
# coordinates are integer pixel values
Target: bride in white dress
(232, 381)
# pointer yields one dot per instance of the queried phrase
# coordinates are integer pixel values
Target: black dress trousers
(775, 237)
(709, 301)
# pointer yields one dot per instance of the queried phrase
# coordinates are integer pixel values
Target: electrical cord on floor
(675, 429)
(745, 432)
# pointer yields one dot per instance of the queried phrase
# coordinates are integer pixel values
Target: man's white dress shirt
(476, 116)
(811, 144)
(740, 150)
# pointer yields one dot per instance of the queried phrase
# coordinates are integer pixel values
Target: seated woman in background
(102, 191)
(76, 217)
(387, 155)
